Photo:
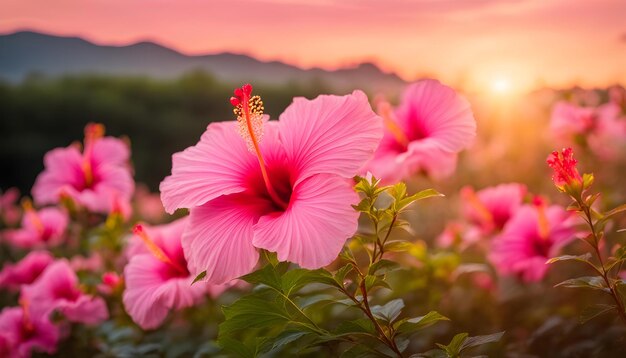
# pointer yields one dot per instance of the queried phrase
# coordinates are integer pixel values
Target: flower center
(33, 216)
(93, 132)
(249, 112)
(385, 111)
(28, 328)
(158, 253)
(542, 219)
(473, 200)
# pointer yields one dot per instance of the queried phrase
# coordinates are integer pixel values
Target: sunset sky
(518, 43)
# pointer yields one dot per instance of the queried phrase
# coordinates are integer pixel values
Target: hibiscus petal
(219, 237)
(431, 109)
(330, 134)
(149, 296)
(88, 310)
(110, 150)
(63, 168)
(116, 183)
(314, 228)
(216, 166)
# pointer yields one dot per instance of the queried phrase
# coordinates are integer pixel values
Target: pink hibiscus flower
(533, 235)
(599, 128)
(98, 178)
(490, 208)
(424, 134)
(40, 228)
(26, 271)
(157, 278)
(284, 187)
(57, 289)
(22, 333)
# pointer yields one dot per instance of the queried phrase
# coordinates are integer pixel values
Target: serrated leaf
(414, 324)
(390, 311)
(480, 340)
(591, 282)
(200, 276)
(593, 311)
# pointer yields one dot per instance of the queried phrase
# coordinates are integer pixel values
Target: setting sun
(501, 86)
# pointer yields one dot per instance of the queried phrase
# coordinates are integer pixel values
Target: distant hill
(23, 53)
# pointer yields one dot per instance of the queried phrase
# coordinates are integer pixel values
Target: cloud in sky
(557, 42)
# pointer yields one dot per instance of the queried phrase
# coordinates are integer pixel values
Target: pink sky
(465, 42)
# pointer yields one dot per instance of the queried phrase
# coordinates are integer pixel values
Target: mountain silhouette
(23, 53)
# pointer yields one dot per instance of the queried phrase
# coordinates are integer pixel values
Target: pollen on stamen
(249, 112)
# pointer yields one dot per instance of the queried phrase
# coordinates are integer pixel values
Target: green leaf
(340, 275)
(587, 180)
(268, 275)
(454, 347)
(583, 258)
(200, 276)
(361, 325)
(398, 246)
(237, 348)
(591, 282)
(414, 324)
(424, 194)
(284, 339)
(480, 340)
(390, 311)
(293, 280)
(593, 311)
(252, 312)
(375, 281)
(363, 206)
(615, 211)
(382, 267)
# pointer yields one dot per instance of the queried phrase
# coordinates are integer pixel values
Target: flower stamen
(27, 205)
(26, 319)
(93, 132)
(249, 112)
(542, 219)
(474, 201)
(385, 111)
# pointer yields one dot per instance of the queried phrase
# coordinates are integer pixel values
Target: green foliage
(460, 343)
(284, 314)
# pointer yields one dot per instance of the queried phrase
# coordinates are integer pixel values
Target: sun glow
(501, 85)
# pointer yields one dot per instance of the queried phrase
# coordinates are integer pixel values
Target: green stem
(604, 273)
